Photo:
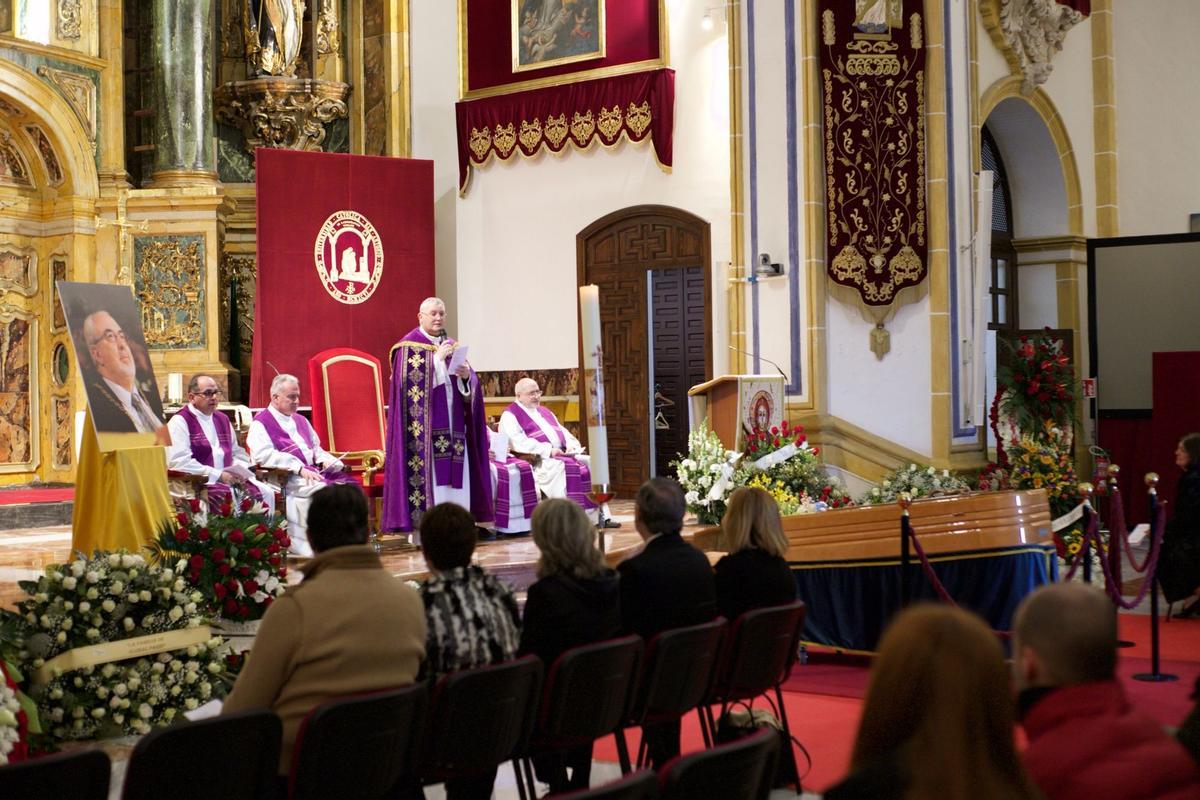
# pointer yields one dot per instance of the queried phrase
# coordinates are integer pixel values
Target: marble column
(184, 150)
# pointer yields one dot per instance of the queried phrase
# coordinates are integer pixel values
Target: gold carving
(14, 170)
(828, 32)
(505, 139)
(480, 142)
(582, 128)
(68, 19)
(54, 173)
(62, 432)
(610, 123)
(233, 38)
(80, 94)
(556, 130)
(18, 270)
(1029, 33)
(169, 281)
(19, 410)
(240, 269)
(637, 118)
(914, 32)
(281, 112)
(531, 135)
(273, 39)
(328, 36)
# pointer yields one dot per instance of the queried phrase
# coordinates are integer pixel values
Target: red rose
(1043, 397)
(247, 503)
(261, 528)
(762, 435)
(244, 612)
(217, 555)
(196, 561)
(182, 517)
(801, 439)
(181, 535)
(243, 571)
(273, 561)
(250, 586)
(227, 509)
(231, 605)
(255, 553)
(269, 600)
(236, 536)
(274, 548)
(280, 535)
(816, 451)
(284, 542)
(203, 535)
(219, 590)
(232, 585)
(223, 569)
(283, 572)
(777, 441)
(753, 448)
(774, 430)
(785, 425)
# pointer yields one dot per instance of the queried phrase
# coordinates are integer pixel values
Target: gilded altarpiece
(18, 391)
(169, 286)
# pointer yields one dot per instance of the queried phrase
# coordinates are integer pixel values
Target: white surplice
(444, 492)
(550, 474)
(180, 458)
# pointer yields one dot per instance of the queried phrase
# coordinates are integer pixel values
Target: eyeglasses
(209, 392)
(111, 336)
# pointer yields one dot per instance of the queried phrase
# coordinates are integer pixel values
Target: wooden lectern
(735, 405)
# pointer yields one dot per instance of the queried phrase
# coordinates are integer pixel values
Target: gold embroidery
(582, 128)
(637, 118)
(610, 123)
(417, 498)
(415, 427)
(531, 135)
(506, 139)
(442, 444)
(458, 448)
(416, 463)
(416, 360)
(480, 142)
(556, 130)
(415, 393)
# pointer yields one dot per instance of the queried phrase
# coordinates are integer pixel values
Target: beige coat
(348, 627)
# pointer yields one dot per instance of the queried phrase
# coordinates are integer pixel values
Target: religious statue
(877, 16)
(273, 30)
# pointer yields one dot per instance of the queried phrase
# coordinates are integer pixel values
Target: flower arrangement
(761, 443)
(787, 500)
(706, 474)
(14, 720)
(784, 460)
(917, 480)
(1038, 384)
(109, 598)
(235, 558)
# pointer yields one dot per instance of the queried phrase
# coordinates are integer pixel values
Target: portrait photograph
(551, 32)
(114, 362)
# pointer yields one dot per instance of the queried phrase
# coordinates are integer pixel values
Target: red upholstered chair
(346, 392)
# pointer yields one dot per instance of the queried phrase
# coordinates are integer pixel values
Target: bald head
(528, 393)
(1065, 634)
(432, 316)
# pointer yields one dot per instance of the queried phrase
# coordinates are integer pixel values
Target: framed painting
(546, 33)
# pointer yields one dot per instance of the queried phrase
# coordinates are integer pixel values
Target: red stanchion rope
(1117, 509)
(1113, 588)
(935, 582)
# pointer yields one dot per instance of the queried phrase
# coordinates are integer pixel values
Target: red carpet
(824, 697)
(12, 497)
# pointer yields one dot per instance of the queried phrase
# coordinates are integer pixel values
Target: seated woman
(1179, 565)
(754, 574)
(348, 627)
(575, 601)
(938, 717)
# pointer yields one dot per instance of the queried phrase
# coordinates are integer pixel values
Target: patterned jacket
(472, 621)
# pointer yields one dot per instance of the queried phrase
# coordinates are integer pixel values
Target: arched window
(1004, 257)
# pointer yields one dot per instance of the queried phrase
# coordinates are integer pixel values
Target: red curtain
(297, 308)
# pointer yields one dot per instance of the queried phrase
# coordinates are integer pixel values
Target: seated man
(514, 490)
(348, 628)
(1085, 737)
(280, 438)
(203, 443)
(532, 428)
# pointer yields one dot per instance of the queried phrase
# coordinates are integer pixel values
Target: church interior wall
(1158, 110)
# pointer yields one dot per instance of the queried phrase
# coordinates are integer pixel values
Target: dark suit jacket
(562, 612)
(752, 578)
(667, 585)
(108, 415)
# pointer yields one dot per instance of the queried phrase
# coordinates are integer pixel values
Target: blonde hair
(566, 539)
(752, 520)
(940, 694)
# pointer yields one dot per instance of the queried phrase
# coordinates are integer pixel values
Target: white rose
(114, 560)
(132, 597)
(190, 703)
(887, 484)
(128, 623)
(168, 714)
(121, 690)
(85, 607)
(912, 467)
(78, 568)
(69, 582)
(119, 719)
(691, 497)
(214, 667)
(98, 712)
(93, 633)
(108, 670)
(92, 594)
(117, 588)
(145, 711)
(175, 613)
(145, 595)
(108, 606)
(945, 473)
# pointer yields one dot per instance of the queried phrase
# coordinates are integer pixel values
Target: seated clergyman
(563, 470)
(203, 443)
(282, 439)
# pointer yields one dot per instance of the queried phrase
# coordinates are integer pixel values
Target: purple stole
(579, 477)
(218, 493)
(284, 443)
(529, 496)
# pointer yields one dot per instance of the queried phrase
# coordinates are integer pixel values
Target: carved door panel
(623, 326)
(679, 339)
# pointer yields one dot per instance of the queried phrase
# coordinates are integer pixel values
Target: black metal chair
(641, 785)
(81, 775)
(678, 675)
(358, 748)
(762, 651)
(587, 695)
(480, 718)
(740, 770)
(231, 757)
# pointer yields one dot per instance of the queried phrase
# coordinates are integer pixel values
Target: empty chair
(588, 693)
(759, 659)
(81, 775)
(740, 770)
(480, 718)
(641, 785)
(229, 757)
(358, 748)
(679, 669)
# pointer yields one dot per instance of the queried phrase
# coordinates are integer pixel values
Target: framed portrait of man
(546, 33)
(114, 362)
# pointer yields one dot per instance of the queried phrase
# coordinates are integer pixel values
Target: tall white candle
(175, 387)
(593, 381)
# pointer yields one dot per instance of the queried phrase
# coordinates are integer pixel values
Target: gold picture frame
(533, 38)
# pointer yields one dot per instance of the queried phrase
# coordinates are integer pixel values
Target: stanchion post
(905, 501)
(1085, 490)
(1155, 675)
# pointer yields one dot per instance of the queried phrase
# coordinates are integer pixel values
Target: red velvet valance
(634, 106)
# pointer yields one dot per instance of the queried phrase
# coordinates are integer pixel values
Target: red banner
(345, 256)
(634, 106)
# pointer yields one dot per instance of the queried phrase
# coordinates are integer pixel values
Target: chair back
(346, 393)
(479, 718)
(681, 665)
(641, 785)
(740, 770)
(178, 762)
(588, 691)
(358, 748)
(80, 775)
(762, 651)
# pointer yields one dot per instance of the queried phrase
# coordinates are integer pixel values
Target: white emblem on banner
(349, 257)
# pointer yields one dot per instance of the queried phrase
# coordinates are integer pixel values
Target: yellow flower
(1073, 548)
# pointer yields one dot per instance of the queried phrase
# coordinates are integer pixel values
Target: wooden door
(615, 253)
(679, 339)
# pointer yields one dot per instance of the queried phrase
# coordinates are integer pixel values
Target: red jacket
(1087, 742)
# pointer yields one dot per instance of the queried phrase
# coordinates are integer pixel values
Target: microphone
(762, 358)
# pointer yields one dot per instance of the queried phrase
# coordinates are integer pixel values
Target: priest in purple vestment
(282, 439)
(532, 428)
(437, 441)
(203, 443)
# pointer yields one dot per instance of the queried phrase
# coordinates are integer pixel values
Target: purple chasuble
(427, 442)
(579, 477)
(285, 444)
(219, 494)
